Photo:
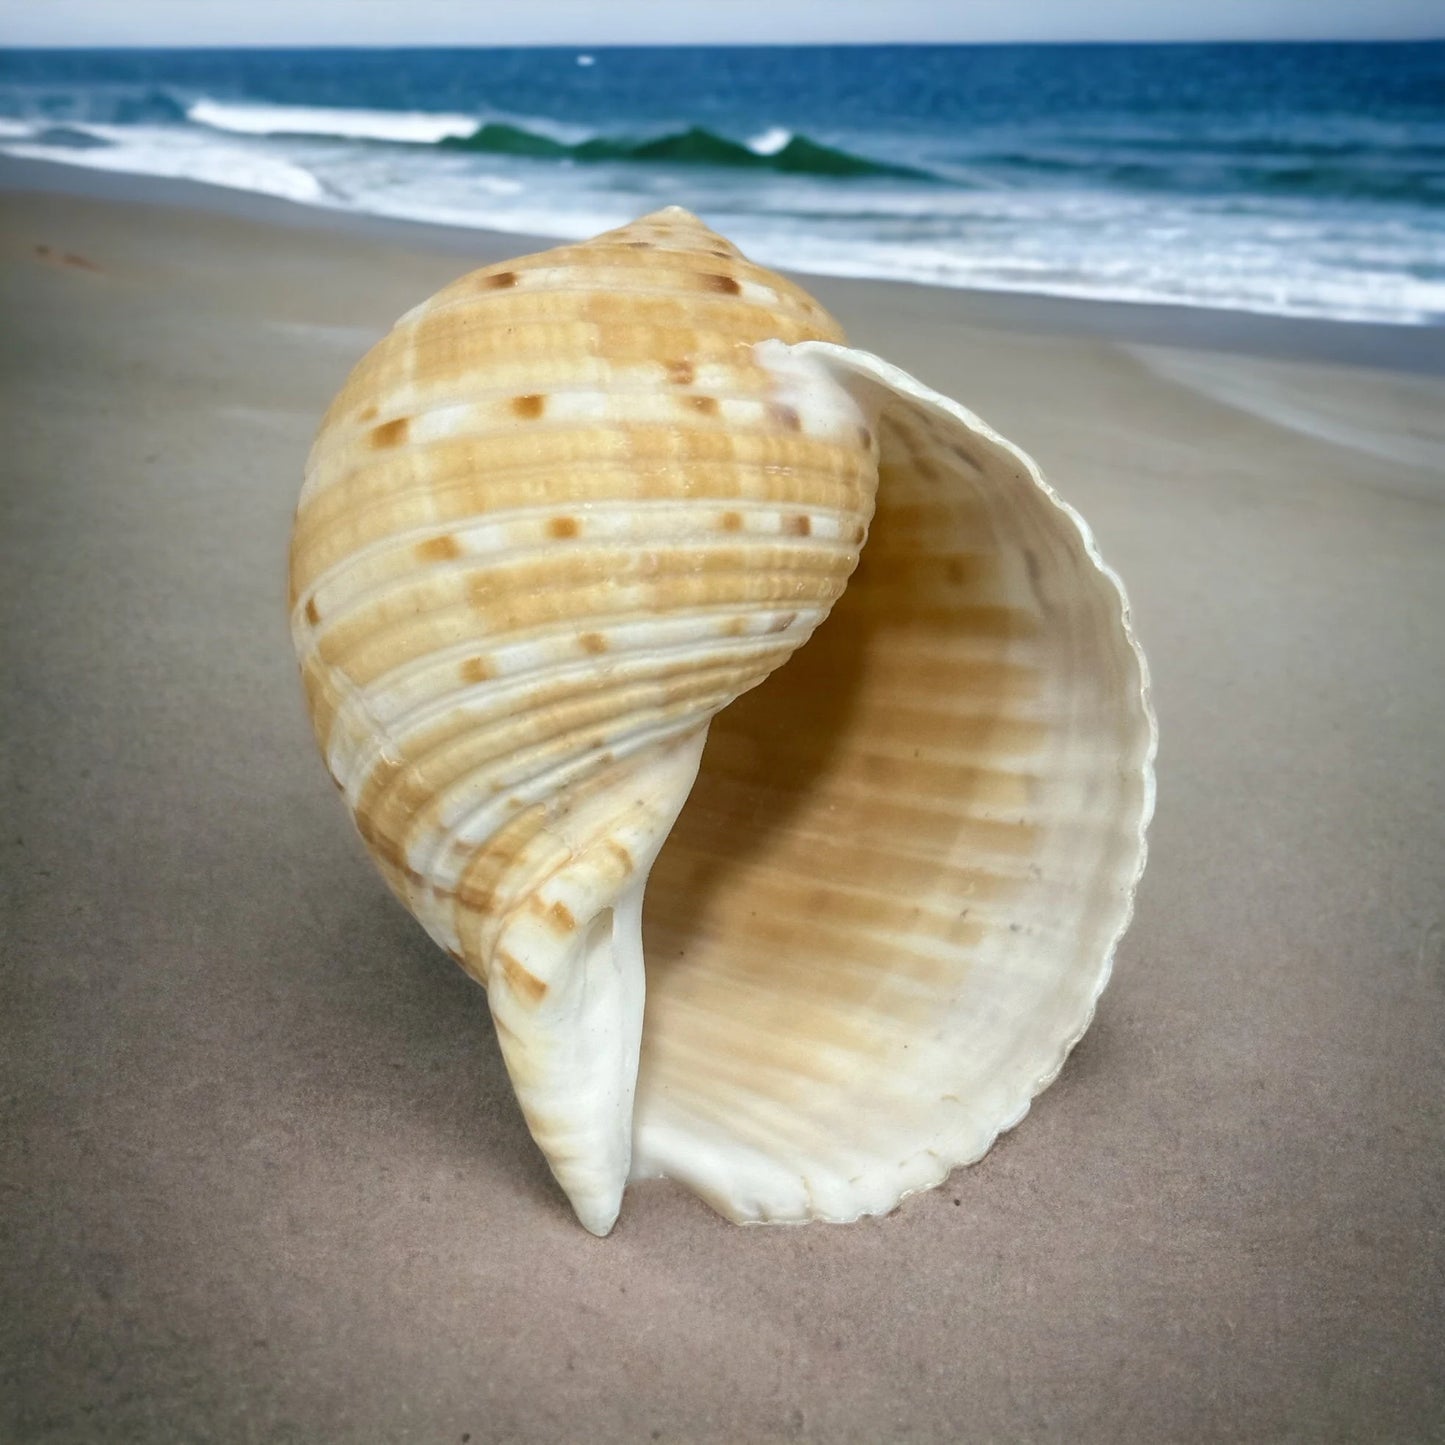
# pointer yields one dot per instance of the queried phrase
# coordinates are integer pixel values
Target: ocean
(1295, 179)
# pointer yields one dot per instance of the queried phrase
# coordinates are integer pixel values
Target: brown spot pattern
(530, 407)
(476, 669)
(786, 417)
(681, 373)
(562, 527)
(593, 642)
(439, 549)
(731, 521)
(798, 525)
(501, 281)
(390, 433)
(724, 285)
(312, 615)
(707, 405)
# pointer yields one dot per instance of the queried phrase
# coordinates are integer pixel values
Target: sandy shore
(263, 1178)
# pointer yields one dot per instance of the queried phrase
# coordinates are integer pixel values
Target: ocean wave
(797, 155)
(405, 127)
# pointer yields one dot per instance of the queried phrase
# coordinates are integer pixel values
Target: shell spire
(554, 527)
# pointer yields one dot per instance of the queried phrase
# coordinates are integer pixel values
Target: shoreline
(1402, 348)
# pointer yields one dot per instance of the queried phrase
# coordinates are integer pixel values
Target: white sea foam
(771, 141)
(1308, 291)
(417, 127)
(141, 153)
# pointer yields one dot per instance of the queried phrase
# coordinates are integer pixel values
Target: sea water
(1290, 178)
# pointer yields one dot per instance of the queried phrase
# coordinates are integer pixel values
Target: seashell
(555, 526)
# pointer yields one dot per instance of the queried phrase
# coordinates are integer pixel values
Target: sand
(262, 1176)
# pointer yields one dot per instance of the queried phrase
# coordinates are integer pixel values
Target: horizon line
(589, 47)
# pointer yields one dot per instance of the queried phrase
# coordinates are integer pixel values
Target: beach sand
(263, 1177)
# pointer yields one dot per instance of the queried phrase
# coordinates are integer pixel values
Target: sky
(705, 22)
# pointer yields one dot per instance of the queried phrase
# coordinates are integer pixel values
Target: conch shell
(561, 517)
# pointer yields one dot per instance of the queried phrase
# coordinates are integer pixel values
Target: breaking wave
(696, 145)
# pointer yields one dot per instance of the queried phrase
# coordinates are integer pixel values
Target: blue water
(1304, 179)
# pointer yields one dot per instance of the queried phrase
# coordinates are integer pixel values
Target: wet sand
(263, 1178)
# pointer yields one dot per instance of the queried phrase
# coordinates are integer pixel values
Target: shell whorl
(554, 521)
